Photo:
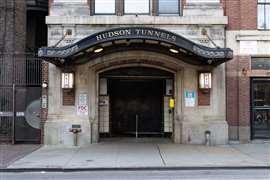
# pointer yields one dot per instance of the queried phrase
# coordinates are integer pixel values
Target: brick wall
(238, 95)
(12, 26)
(232, 91)
(242, 14)
(244, 91)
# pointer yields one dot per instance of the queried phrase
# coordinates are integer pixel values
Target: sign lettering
(140, 32)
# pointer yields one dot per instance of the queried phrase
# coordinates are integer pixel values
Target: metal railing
(20, 83)
(20, 69)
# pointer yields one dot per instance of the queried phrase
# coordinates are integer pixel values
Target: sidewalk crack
(160, 154)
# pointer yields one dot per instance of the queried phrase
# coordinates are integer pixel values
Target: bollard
(207, 135)
(136, 133)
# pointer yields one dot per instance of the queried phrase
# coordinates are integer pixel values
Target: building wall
(189, 123)
(247, 42)
(12, 26)
(242, 14)
(14, 49)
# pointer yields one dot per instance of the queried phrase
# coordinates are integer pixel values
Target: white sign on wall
(190, 98)
(82, 106)
(248, 47)
(44, 101)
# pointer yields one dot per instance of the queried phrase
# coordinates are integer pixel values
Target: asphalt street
(244, 174)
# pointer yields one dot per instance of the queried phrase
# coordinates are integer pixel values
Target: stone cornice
(139, 20)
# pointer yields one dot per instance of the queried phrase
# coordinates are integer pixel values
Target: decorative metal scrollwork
(262, 118)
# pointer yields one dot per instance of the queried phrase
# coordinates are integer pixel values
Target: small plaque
(44, 101)
(76, 126)
(190, 98)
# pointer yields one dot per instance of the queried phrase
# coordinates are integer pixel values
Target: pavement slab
(47, 157)
(259, 151)
(203, 156)
(140, 154)
(10, 153)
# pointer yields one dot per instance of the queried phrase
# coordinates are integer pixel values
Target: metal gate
(20, 92)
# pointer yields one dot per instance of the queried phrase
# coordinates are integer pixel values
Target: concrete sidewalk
(145, 154)
(11, 153)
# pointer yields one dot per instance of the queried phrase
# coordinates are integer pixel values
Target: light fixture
(67, 80)
(44, 85)
(205, 80)
(244, 71)
(175, 51)
(98, 49)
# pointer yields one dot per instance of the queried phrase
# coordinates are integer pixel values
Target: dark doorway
(139, 99)
(260, 108)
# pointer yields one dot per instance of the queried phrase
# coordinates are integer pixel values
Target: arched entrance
(134, 102)
(106, 67)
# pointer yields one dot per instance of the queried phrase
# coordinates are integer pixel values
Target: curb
(7, 170)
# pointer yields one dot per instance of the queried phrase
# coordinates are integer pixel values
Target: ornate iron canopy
(135, 38)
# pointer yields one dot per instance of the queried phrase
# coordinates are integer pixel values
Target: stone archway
(135, 59)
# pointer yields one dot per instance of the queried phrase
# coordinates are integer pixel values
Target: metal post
(75, 139)
(91, 133)
(137, 125)
(14, 113)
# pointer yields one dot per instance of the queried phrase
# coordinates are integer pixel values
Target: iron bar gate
(20, 92)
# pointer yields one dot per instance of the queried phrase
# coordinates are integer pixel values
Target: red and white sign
(82, 110)
(82, 107)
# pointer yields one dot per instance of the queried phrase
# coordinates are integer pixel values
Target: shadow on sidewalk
(11, 153)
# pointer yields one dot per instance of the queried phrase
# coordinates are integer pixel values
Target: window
(70, 1)
(260, 63)
(202, 1)
(168, 6)
(263, 14)
(137, 6)
(104, 6)
(134, 7)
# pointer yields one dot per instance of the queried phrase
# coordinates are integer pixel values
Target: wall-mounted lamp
(175, 51)
(44, 85)
(205, 80)
(67, 80)
(98, 49)
(244, 71)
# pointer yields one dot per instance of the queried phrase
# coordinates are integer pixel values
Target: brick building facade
(235, 108)
(241, 32)
(250, 42)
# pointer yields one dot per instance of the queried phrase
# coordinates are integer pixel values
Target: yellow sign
(172, 103)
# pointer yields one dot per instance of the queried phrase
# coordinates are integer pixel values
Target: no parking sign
(82, 107)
